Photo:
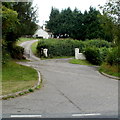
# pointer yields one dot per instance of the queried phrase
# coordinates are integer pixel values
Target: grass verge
(110, 70)
(57, 57)
(81, 62)
(33, 47)
(16, 77)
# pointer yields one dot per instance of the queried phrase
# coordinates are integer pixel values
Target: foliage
(5, 55)
(92, 54)
(66, 47)
(75, 24)
(9, 22)
(26, 15)
(112, 11)
(17, 52)
(113, 57)
(108, 27)
(104, 53)
(97, 43)
(18, 19)
(59, 47)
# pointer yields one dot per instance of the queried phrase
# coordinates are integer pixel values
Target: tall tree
(112, 11)
(92, 24)
(52, 24)
(26, 15)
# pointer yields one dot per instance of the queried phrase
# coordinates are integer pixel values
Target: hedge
(66, 47)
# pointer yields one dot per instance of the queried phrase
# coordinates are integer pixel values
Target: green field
(16, 77)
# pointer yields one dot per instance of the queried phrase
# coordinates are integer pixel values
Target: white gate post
(76, 53)
(45, 52)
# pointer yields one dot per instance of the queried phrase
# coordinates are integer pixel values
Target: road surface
(69, 90)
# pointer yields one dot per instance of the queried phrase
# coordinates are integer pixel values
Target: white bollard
(45, 52)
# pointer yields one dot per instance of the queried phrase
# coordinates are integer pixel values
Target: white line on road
(82, 115)
(26, 116)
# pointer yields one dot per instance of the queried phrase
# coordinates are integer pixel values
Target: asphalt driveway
(69, 90)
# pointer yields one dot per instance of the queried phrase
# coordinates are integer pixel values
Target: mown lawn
(16, 77)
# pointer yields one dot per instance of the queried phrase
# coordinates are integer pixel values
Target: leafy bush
(17, 52)
(66, 47)
(58, 47)
(93, 55)
(104, 53)
(97, 43)
(113, 57)
(5, 54)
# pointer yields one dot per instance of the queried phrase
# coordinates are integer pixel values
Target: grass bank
(16, 77)
(80, 62)
(33, 48)
(110, 70)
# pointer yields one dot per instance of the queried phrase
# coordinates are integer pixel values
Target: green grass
(81, 62)
(57, 57)
(110, 70)
(33, 47)
(16, 77)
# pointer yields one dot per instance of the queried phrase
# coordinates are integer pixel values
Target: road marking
(82, 115)
(26, 116)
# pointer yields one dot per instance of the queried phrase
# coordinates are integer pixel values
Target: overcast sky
(44, 6)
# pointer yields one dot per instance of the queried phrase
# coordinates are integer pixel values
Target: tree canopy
(18, 19)
(75, 24)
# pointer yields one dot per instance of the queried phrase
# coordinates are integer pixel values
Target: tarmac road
(69, 90)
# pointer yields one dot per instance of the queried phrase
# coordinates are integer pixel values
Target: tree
(18, 18)
(9, 24)
(92, 24)
(78, 31)
(26, 15)
(75, 24)
(52, 24)
(112, 11)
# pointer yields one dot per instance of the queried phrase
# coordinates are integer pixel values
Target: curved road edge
(23, 92)
(110, 76)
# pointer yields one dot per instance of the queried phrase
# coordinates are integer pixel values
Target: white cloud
(46, 5)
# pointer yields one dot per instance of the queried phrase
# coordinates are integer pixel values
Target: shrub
(97, 43)
(66, 47)
(103, 53)
(17, 52)
(113, 57)
(5, 54)
(93, 55)
(57, 47)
